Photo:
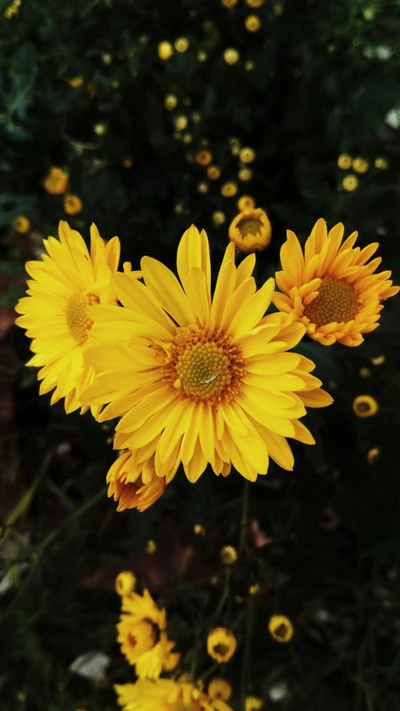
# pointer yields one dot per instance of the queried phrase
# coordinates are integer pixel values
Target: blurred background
(145, 117)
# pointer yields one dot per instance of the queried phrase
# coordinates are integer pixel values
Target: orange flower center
(221, 649)
(204, 365)
(78, 322)
(336, 302)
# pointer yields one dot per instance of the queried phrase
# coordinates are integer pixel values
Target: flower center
(336, 302)
(78, 322)
(249, 226)
(203, 364)
(221, 649)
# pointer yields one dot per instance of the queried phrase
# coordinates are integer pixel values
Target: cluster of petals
(167, 695)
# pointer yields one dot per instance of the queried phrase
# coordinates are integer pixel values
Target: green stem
(246, 654)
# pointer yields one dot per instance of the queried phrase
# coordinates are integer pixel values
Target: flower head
(245, 174)
(332, 288)
(219, 689)
(64, 284)
(165, 50)
(247, 155)
(125, 583)
(72, 204)
(250, 231)
(166, 695)
(231, 56)
(360, 165)
(229, 3)
(365, 406)
(255, 3)
(21, 224)
(134, 484)
(350, 183)
(213, 172)
(252, 23)
(229, 189)
(170, 102)
(198, 379)
(344, 161)
(204, 157)
(246, 202)
(253, 703)
(228, 555)
(381, 163)
(181, 44)
(127, 163)
(218, 218)
(373, 455)
(280, 628)
(56, 181)
(76, 81)
(221, 644)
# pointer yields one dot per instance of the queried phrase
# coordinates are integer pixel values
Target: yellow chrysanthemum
(247, 155)
(55, 313)
(228, 555)
(250, 231)
(197, 379)
(253, 703)
(72, 204)
(350, 183)
(252, 23)
(231, 56)
(344, 161)
(365, 406)
(56, 181)
(76, 82)
(204, 157)
(373, 455)
(170, 102)
(360, 165)
(246, 202)
(332, 288)
(142, 634)
(280, 628)
(165, 50)
(125, 583)
(21, 224)
(213, 172)
(221, 644)
(229, 189)
(166, 695)
(181, 44)
(219, 689)
(133, 482)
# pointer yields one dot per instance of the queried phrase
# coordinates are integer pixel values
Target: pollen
(336, 302)
(76, 316)
(204, 365)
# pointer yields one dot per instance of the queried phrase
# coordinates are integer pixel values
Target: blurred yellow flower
(204, 157)
(253, 703)
(252, 23)
(21, 224)
(218, 218)
(255, 3)
(245, 174)
(219, 689)
(250, 230)
(221, 644)
(180, 122)
(381, 163)
(247, 155)
(231, 56)
(151, 547)
(56, 181)
(170, 102)
(228, 555)
(229, 3)
(76, 82)
(213, 172)
(344, 161)
(229, 189)
(181, 44)
(373, 455)
(165, 50)
(360, 165)
(125, 583)
(72, 204)
(280, 628)
(350, 183)
(246, 202)
(127, 163)
(365, 406)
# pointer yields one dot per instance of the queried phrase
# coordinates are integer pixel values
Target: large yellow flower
(198, 379)
(166, 695)
(332, 288)
(63, 285)
(142, 634)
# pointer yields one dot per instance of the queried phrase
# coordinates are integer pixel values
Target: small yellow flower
(247, 155)
(365, 406)
(125, 583)
(228, 555)
(245, 174)
(360, 165)
(252, 23)
(204, 157)
(165, 50)
(181, 122)
(344, 161)
(170, 102)
(199, 530)
(255, 589)
(76, 82)
(221, 644)
(181, 44)
(373, 455)
(379, 360)
(72, 204)
(246, 202)
(278, 9)
(255, 3)
(218, 218)
(229, 3)
(249, 66)
(201, 56)
(151, 547)
(127, 163)
(365, 373)
(213, 172)
(56, 181)
(219, 689)
(100, 128)
(250, 230)
(235, 144)
(231, 56)
(229, 189)
(187, 138)
(381, 163)
(280, 628)
(350, 183)
(253, 703)
(202, 188)
(196, 117)
(21, 224)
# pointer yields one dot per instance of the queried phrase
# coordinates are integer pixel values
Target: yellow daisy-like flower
(332, 288)
(373, 455)
(250, 231)
(166, 695)
(72, 204)
(197, 379)
(381, 163)
(55, 313)
(253, 703)
(133, 482)
(219, 689)
(231, 56)
(252, 23)
(247, 155)
(218, 218)
(181, 44)
(344, 161)
(204, 157)
(350, 183)
(246, 202)
(213, 172)
(360, 165)
(56, 181)
(280, 628)
(365, 406)
(170, 102)
(142, 634)
(229, 189)
(21, 224)
(245, 174)
(125, 583)
(228, 555)
(165, 50)
(221, 644)
(180, 122)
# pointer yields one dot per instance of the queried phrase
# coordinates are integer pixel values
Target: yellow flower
(165, 50)
(221, 644)
(142, 634)
(21, 224)
(228, 555)
(199, 530)
(253, 703)
(250, 231)
(229, 3)
(56, 181)
(204, 157)
(133, 484)
(213, 172)
(280, 628)
(381, 163)
(247, 155)
(72, 204)
(127, 163)
(181, 44)
(100, 129)
(151, 547)
(166, 695)
(246, 202)
(64, 285)
(365, 406)
(231, 56)
(255, 3)
(332, 288)
(344, 161)
(245, 174)
(360, 165)
(379, 360)
(350, 183)
(125, 583)
(76, 82)
(170, 102)
(365, 373)
(229, 189)
(373, 455)
(196, 379)
(218, 218)
(219, 689)
(180, 122)
(252, 23)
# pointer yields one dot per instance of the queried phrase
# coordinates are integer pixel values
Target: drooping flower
(221, 644)
(133, 482)
(280, 628)
(166, 695)
(365, 406)
(250, 230)
(332, 287)
(196, 379)
(55, 312)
